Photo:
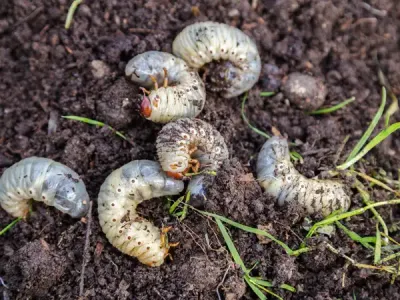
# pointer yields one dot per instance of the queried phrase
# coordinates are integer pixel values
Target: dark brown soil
(47, 72)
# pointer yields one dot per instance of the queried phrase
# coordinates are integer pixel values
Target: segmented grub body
(119, 196)
(201, 43)
(45, 180)
(280, 179)
(188, 143)
(179, 93)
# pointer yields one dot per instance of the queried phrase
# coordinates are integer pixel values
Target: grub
(45, 71)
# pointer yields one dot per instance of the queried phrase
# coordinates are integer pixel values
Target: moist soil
(48, 72)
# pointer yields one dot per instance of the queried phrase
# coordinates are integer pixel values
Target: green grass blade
(295, 156)
(288, 287)
(71, 12)
(97, 123)
(261, 282)
(85, 120)
(9, 226)
(231, 246)
(267, 94)
(250, 229)
(369, 239)
(185, 207)
(255, 289)
(371, 128)
(269, 292)
(367, 200)
(331, 109)
(175, 204)
(177, 214)
(378, 245)
(269, 284)
(256, 130)
(254, 284)
(349, 214)
(354, 236)
(374, 142)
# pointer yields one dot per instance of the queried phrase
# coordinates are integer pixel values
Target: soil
(48, 72)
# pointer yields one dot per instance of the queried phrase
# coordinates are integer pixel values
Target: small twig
(191, 233)
(337, 252)
(112, 262)
(144, 30)
(86, 249)
(29, 17)
(289, 229)
(222, 281)
(388, 269)
(340, 150)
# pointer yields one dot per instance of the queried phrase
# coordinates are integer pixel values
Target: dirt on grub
(48, 72)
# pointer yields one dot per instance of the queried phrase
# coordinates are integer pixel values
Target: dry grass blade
(378, 246)
(377, 182)
(394, 106)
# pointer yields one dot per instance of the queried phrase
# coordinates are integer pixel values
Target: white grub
(190, 144)
(119, 196)
(200, 43)
(176, 90)
(44, 180)
(281, 180)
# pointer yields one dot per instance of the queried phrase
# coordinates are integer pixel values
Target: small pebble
(233, 13)
(304, 91)
(99, 69)
(84, 10)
